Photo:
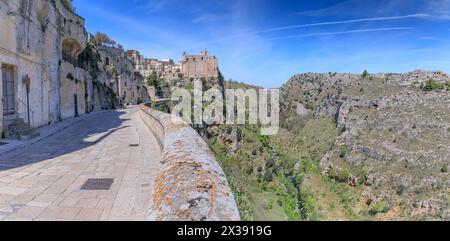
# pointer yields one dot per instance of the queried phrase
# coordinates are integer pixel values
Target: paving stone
(87, 203)
(89, 214)
(69, 213)
(11, 190)
(22, 200)
(51, 212)
(69, 202)
(47, 176)
(105, 204)
(26, 213)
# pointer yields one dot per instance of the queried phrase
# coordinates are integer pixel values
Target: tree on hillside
(152, 80)
(102, 38)
(68, 4)
(365, 74)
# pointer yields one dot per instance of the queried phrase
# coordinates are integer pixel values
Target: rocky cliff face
(395, 142)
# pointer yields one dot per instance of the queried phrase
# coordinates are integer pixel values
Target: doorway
(75, 101)
(9, 98)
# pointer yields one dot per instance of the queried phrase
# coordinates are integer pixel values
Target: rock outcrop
(395, 138)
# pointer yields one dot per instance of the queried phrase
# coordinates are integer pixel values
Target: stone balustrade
(191, 185)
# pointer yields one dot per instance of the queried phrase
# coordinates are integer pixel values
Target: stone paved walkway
(43, 181)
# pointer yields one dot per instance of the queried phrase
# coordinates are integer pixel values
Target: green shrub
(268, 176)
(68, 5)
(265, 140)
(432, 85)
(444, 168)
(239, 134)
(364, 175)
(343, 154)
(379, 207)
(365, 74)
(269, 205)
(270, 163)
(400, 189)
(342, 175)
(332, 207)
(229, 130)
(242, 199)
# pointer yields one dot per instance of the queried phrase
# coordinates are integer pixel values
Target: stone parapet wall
(191, 185)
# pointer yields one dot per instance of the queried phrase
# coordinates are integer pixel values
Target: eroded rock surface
(395, 138)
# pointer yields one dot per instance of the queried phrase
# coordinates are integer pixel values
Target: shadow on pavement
(72, 139)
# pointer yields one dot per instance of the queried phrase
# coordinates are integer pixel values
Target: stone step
(20, 130)
(29, 136)
(27, 131)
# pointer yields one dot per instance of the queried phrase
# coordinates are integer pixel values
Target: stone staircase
(20, 130)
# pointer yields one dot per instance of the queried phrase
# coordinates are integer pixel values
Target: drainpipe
(28, 104)
(27, 82)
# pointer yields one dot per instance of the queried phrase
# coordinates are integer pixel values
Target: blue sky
(265, 42)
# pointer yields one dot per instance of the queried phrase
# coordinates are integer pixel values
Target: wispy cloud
(208, 18)
(438, 9)
(174, 6)
(287, 27)
(342, 32)
(155, 6)
(436, 39)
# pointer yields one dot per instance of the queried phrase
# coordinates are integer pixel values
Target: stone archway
(70, 50)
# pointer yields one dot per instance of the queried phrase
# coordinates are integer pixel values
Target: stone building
(122, 75)
(200, 66)
(41, 79)
(138, 60)
(166, 69)
(50, 71)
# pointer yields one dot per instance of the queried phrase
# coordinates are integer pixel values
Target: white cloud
(286, 27)
(208, 18)
(436, 39)
(342, 32)
(435, 8)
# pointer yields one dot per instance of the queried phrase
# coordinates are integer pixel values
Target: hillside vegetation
(351, 147)
(391, 160)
